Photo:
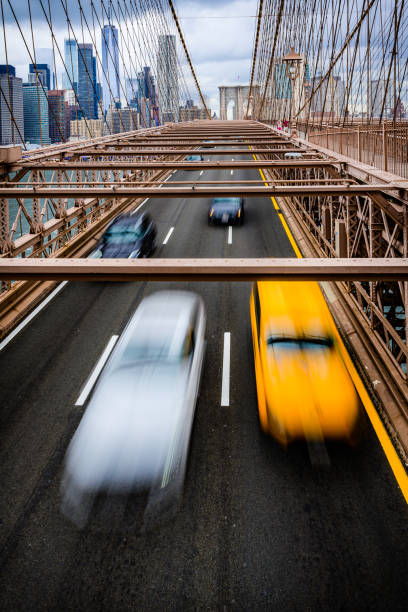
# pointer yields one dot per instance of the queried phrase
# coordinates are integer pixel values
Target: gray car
(136, 428)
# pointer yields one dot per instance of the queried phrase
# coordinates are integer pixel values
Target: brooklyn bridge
(203, 295)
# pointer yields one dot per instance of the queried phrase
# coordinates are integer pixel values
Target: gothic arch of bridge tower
(239, 95)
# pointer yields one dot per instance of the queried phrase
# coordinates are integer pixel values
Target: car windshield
(152, 344)
(304, 343)
(122, 234)
(226, 204)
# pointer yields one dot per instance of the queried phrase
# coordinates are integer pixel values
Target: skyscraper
(70, 77)
(36, 123)
(131, 92)
(87, 86)
(11, 100)
(57, 115)
(110, 66)
(45, 55)
(43, 72)
(167, 80)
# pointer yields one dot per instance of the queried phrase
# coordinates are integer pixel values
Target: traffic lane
(258, 526)
(322, 536)
(79, 560)
(368, 466)
(262, 234)
(291, 535)
(43, 371)
(32, 407)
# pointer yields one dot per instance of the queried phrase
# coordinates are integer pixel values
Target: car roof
(231, 200)
(169, 301)
(171, 311)
(128, 220)
(294, 308)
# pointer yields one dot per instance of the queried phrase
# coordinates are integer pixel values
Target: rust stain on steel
(205, 269)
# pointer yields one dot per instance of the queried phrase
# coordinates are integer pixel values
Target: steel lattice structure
(349, 210)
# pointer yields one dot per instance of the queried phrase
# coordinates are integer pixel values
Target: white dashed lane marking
(225, 389)
(169, 233)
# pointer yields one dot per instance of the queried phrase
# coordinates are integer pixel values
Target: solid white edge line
(96, 371)
(165, 181)
(31, 316)
(201, 172)
(140, 206)
(169, 233)
(230, 234)
(225, 389)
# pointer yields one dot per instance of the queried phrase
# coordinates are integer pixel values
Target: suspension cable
(188, 57)
(258, 26)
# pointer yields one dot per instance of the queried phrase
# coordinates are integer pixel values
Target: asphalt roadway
(259, 528)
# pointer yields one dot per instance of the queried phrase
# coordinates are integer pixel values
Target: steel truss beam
(195, 192)
(205, 269)
(196, 142)
(170, 165)
(134, 151)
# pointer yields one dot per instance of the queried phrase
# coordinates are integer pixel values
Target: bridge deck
(256, 524)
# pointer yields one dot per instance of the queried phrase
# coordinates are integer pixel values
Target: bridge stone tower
(239, 94)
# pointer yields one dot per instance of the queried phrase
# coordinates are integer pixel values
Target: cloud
(220, 47)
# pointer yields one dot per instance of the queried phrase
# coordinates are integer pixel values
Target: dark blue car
(128, 236)
(226, 211)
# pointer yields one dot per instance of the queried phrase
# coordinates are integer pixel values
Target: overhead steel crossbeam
(177, 165)
(196, 142)
(203, 140)
(204, 269)
(195, 192)
(202, 181)
(134, 152)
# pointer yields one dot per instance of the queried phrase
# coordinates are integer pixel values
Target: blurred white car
(136, 429)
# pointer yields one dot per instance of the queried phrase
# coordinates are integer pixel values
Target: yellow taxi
(303, 387)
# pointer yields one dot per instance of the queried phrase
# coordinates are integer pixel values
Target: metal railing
(384, 147)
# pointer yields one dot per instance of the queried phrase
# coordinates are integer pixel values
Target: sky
(220, 48)
(219, 35)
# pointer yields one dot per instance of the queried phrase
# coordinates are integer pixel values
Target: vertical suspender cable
(258, 26)
(188, 56)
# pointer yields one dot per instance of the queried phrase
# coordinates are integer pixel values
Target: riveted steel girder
(194, 192)
(204, 269)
